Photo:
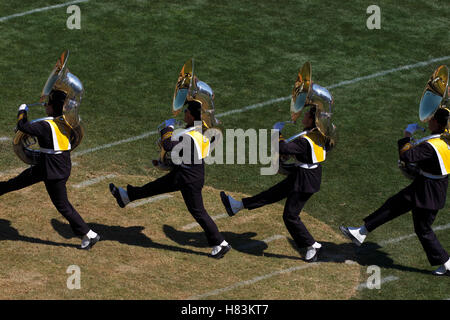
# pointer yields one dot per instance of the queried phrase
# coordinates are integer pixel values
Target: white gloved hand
(23, 107)
(167, 123)
(413, 127)
(278, 126)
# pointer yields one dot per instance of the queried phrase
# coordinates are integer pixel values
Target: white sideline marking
(395, 240)
(262, 104)
(93, 181)
(145, 201)
(251, 281)
(41, 9)
(256, 243)
(384, 280)
(5, 139)
(195, 224)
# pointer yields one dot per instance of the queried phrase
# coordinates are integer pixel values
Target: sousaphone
(434, 97)
(306, 93)
(188, 88)
(26, 146)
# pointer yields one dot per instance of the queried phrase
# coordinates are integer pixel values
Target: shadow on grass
(368, 254)
(7, 232)
(132, 236)
(241, 242)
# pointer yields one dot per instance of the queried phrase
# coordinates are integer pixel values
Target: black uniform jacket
(186, 172)
(304, 180)
(53, 166)
(424, 192)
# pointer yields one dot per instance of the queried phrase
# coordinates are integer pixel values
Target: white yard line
(269, 102)
(252, 281)
(412, 235)
(41, 9)
(93, 181)
(148, 200)
(263, 277)
(5, 139)
(382, 281)
(259, 105)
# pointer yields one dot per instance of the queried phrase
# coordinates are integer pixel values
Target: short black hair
(195, 108)
(57, 98)
(441, 116)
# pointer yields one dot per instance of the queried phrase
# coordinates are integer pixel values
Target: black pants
(192, 195)
(422, 219)
(291, 215)
(57, 191)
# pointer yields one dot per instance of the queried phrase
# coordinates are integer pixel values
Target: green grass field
(128, 57)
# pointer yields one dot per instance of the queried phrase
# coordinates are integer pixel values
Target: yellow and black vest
(317, 144)
(61, 132)
(442, 149)
(202, 143)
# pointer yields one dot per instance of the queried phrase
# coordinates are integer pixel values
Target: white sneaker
(313, 252)
(357, 235)
(220, 250)
(89, 240)
(443, 270)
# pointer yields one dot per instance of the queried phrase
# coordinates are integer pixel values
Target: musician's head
(56, 99)
(309, 118)
(193, 112)
(439, 122)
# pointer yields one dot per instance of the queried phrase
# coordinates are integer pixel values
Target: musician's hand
(23, 107)
(167, 123)
(278, 126)
(411, 128)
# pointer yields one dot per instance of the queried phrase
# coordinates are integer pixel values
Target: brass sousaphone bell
(307, 93)
(25, 146)
(434, 97)
(188, 88)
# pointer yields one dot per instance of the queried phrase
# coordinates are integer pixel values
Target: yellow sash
(201, 143)
(317, 144)
(443, 153)
(61, 134)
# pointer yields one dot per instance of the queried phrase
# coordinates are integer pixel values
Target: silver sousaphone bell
(26, 146)
(434, 96)
(188, 88)
(307, 93)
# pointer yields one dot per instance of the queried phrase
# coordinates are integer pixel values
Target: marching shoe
(353, 234)
(87, 243)
(231, 205)
(220, 250)
(312, 252)
(441, 271)
(120, 194)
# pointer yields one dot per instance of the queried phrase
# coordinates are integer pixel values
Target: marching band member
(426, 195)
(54, 164)
(187, 177)
(303, 181)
